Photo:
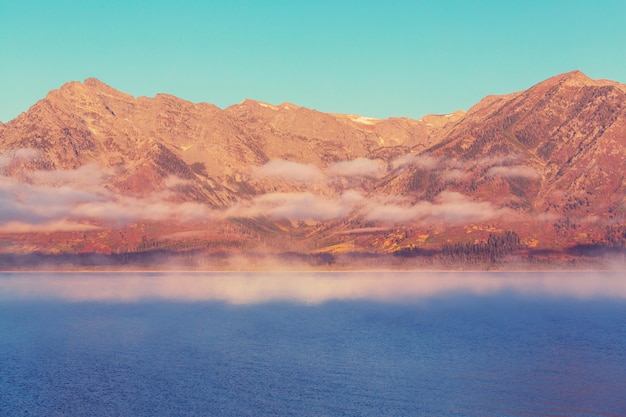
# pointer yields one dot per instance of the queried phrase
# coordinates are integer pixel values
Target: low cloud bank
(297, 206)
(449, 207)
(87, 176)
(290, 171)
(359, 167)
(450, 169)
(17, 155)
(308, 288)
(74, 200)
(309, 173)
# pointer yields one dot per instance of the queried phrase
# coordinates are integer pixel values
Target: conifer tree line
(496, 247)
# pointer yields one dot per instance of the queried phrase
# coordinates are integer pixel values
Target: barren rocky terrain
(93, 176)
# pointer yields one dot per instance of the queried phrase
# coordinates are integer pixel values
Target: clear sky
(373, 58)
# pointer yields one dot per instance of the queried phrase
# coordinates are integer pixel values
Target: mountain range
(535, 176)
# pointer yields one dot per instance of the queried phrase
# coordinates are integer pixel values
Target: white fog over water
(313, 344)
(306, 287)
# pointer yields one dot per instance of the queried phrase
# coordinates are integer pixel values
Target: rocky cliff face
(556, 148)
(141, 173)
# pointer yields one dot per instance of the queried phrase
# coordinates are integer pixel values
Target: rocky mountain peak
(258, 172)
(95, 83)
(575, 78)
(578, 79)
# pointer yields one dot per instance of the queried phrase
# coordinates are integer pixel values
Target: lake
(313, 344)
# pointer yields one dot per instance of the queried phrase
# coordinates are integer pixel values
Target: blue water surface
(455, 354)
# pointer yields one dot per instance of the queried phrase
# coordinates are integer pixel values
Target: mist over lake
(313, 344)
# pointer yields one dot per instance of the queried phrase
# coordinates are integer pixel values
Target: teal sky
(373, 58)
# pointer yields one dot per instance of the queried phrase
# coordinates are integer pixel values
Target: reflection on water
(310, 288)
(365, 344)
